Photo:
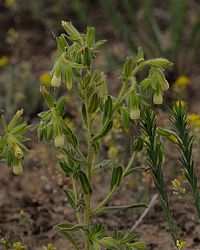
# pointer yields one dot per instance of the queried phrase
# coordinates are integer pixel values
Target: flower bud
(135, 113)
(17, 168)
(18, 152)
(158, 98)
(59, 141)
(55, 81)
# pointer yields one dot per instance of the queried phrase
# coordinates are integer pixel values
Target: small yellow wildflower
(45, 78)
(3, 61)
(177, 189)
(180, 244)
(10, 3)
(18, 246)
(183, 103)
(176, 183)
(49, 247)
(182, 81)
(112, 152)
(194, 119)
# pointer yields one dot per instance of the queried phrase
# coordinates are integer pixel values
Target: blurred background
(169, 28)
(28, 29)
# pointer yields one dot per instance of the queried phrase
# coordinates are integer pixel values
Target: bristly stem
(185, 144)
(109, 195)
(155, 159)
(89, 173)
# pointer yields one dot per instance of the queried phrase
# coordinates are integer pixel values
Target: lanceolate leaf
(85, 183)
(120, 208)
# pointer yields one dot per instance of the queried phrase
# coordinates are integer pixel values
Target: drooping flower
(135, 113)
(59, 141)
(18, 168)
(56, 81)
(158, 98)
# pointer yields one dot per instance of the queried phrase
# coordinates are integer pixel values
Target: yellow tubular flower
(180, 244)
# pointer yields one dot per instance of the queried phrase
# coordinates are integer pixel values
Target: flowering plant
(98, 109)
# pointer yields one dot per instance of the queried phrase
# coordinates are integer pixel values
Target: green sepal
(90, 36)
(68, 76)
(128, 66)
(72, 31)
(159, 62)
(87, 57)
(58, 68)
(140, 55)
(62, 43)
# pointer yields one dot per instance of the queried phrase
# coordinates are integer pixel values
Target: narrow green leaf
(85, 183)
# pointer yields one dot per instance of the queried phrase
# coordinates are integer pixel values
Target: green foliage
(155, 156)
(12, 147)
(74, 68)
(185, 145)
